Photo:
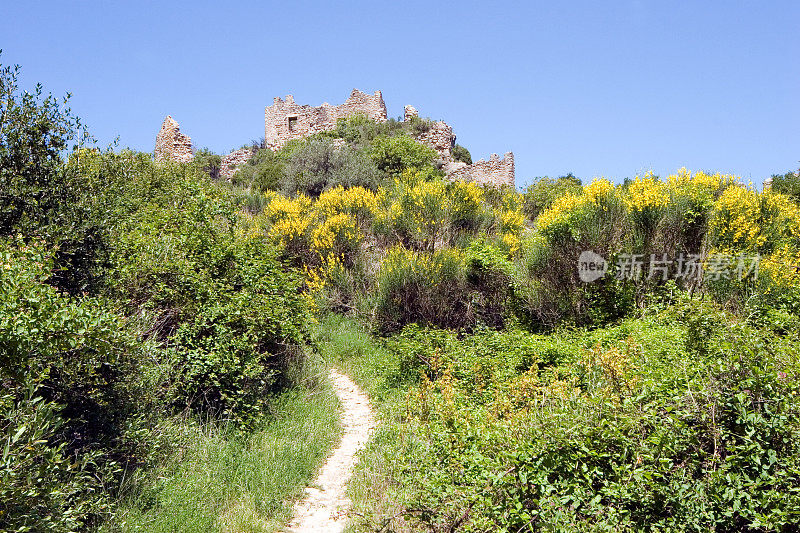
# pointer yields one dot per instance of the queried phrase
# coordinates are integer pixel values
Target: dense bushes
(543, 192)
(615, 429)
(68, 370)
(128, 293)
(320, 164)
(788, 184)
(393, 155)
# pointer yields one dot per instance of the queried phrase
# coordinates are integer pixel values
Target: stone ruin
(285, 120)
(441, 138)
(495, 171)
(229, 163)
(171, 144)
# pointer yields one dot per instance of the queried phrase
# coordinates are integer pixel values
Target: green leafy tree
(35, 133)
(788, 184)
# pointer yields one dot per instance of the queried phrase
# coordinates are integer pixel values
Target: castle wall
(440, 137)
(229, 163)
(496, 171)
(171, 144)
(285, 120)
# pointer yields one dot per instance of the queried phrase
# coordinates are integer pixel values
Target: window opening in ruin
(292, 123)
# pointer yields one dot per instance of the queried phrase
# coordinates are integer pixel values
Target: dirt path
(323, 509)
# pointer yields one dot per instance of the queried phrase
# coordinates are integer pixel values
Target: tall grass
(218, 480)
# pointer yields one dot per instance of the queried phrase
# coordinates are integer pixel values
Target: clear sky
(595, 88)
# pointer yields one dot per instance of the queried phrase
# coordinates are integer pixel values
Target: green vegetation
(133, 307)
(216, 479)
(164, 337)
(788, 184)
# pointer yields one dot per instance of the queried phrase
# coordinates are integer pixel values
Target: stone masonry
(285, 120)
(495, 171)
(171, 144)
(230, 162)
(440, 137)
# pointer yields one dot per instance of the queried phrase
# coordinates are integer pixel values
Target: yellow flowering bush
(429, 214)
(735, 224)
(428, 288)
(359, 202)
(337, 235)
(646, 194)
(567, 211)
(700, 189)
(281, 207)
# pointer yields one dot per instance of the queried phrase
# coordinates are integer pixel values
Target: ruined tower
(285, 120)
(171, 144)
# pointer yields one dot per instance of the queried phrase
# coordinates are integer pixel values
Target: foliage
(461, 154)
(424, 288)
(614, 429)
(35, 132)
(68, 371)
(319, 164)
(263, 172)
(543, 192)
(394, 155)
(788, 184)
(208, 162)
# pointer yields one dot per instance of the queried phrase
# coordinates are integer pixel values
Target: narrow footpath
(325, 506)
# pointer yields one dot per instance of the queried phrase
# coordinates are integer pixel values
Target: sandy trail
(324, 507)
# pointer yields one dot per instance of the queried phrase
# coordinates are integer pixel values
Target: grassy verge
(219, 480)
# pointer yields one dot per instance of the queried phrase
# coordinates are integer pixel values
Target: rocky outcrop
(171, 144)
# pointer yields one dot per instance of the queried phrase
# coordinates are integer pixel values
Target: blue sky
(595, 88)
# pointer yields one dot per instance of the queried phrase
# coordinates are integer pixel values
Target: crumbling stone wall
(496, 171)
(285, 120)
(171, 144)
(229, 163)
(440, 137)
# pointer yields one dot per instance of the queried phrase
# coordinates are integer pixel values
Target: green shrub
(245, 342)
(393, 155)
(461, 154)
(262, 172)
(70, 373)
(359, 130)
(541, 194)
(319, 164)
(44, 487)
(35, 192)
(424, 288)
(788, 184)
(208, 162)
(624, 434)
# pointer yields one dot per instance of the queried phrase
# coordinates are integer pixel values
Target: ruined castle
(285, 120)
